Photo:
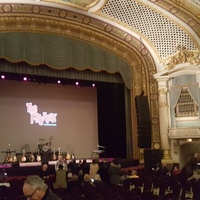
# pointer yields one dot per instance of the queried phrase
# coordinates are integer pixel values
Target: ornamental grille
(196, 2)
(163, 33)
(186, 106)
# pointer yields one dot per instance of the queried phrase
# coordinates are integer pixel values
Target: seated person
(133, 174)
(61, 180)
(196, 175)
(175, 171)
(44, 174)
(35, 188)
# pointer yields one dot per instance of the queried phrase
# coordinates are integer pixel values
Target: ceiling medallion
(36, 9)
(128, 38)
(144, 51)
(62, 13)
(192, 23)
(108, 28)
(173, 10)
(7, 8)
(86, 20)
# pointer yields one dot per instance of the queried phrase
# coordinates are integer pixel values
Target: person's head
(196, 171)
(94, 161)
(34, 188)
(87, 177)
(44, 167)
(196, 155)
(134, 172)
(60, 158)
(115, 161)
(60, 166)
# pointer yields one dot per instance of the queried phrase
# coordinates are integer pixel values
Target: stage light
(59, 81)
(77, 83)
(2, 77)
(93, 85)
(25, 78)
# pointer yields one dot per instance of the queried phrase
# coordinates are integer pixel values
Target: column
(164, 120)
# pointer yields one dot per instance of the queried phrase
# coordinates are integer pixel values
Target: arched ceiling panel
(163, 33)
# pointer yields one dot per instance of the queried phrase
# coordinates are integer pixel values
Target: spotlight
(77, 83)
(93, 85)
(59, 81)
(2, 77)
(25, 78)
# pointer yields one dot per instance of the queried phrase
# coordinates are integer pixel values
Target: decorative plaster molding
(182, 56)
(182, 133)
(162, 91)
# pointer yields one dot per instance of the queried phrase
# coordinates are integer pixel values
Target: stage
(32, 168)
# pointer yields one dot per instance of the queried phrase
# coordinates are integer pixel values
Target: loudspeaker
(152, 157)
(144, 139)
(143, 122)
(142, 110)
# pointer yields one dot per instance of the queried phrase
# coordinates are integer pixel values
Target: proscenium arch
(59, 22)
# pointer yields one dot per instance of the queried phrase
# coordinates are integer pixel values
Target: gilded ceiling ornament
(81, 3)
(182, 56)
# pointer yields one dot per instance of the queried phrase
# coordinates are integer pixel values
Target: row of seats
(149, 185)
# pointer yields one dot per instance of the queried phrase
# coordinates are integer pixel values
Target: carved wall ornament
(162, 91)
(162, 104)
(182, 56)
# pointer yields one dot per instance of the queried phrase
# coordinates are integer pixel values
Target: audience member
(194, 161)
(114, 172)
(72, 166)
(61, 179)
(94, 168)
(44, 173)
(35, 188)
(196, 175)
(123, 176)
(84, 167)
(103, 171)
(133, 174)
(175, 170)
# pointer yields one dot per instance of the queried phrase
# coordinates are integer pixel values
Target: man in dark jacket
(35, 188)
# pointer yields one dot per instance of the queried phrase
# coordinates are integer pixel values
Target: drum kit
(44, 147)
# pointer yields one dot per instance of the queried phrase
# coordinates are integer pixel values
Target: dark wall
(111, 119)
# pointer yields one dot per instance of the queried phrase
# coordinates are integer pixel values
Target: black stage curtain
(111, 119)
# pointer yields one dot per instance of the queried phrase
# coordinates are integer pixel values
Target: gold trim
(75, 4)
(182, 56)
